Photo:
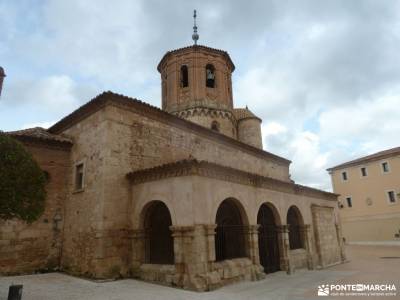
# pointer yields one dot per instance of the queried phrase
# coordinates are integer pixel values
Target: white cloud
(372, 124)
(38, 124)
(54, 94)
(323, 80)
(272, 128)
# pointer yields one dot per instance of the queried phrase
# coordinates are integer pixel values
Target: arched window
(229, 237)
(210, 76)
(215, 126)
(184, 76)
(294, 222)
(159, 245)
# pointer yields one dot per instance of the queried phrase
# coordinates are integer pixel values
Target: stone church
(183, 196)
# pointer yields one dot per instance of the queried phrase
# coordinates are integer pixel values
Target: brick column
(305, 231)
(283, 240)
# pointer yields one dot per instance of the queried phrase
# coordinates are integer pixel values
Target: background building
(369, 198)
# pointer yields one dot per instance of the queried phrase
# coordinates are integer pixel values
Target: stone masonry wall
(249, 132)
(90, 234)
(144, 142)
(327, 238)
(28, 248)
(111, 143)
(225, 124)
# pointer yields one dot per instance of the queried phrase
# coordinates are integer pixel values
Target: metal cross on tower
(195, 36)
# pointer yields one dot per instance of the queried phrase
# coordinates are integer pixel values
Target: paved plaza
(368, 265)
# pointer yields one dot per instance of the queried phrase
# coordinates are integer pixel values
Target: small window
(349, 202)
(210, 76)
(79, 177)
(344, 176)
(184, 76)
(391, 197)
(363, 172)
(385, 167)
(215, 126)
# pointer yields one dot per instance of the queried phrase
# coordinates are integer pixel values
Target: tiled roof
(243, 113)
(368, 158)
(39, 133)
(108, 98)
(196, 48)
(213, 170)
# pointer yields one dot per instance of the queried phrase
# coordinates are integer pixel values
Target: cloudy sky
(324, 76)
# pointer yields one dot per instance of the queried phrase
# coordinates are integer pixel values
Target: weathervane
(195, 36)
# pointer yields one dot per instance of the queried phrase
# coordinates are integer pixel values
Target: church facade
(184, 195)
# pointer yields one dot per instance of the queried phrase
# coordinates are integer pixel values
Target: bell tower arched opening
(210, 76)
(184, 76)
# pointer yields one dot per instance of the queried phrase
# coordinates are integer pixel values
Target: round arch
(158, 245)
(268, 246)
(240, 206)
(230, 239)
(275, 212)
(294, 220)
(143, 205)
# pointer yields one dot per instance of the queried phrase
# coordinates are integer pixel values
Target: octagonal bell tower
(197, 86)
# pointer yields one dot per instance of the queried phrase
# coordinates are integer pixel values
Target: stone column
(194, 252)
(305, 232)
(180, 255)
(138, 237)
(340, 242)
(251, 234)
(252, 252)
(283, 240)
(210, 240)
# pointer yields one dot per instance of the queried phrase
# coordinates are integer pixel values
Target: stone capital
(282, 228)
(210, 229)
(253, 228)
(305, 228)
(180, 231)
(137, 233)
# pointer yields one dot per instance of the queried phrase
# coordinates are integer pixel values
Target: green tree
(22, 182)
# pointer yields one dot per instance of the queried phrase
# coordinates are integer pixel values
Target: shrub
(22, 182)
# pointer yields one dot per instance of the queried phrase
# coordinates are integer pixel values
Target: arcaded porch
(194, 228)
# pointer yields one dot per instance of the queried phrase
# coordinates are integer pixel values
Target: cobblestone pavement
(365, 266)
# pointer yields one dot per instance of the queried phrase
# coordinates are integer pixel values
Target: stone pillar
(283, 240)
(210, 240)
(138, 237)
(340, 242)
(177, 235)
(251, 234)
(194, 253)
(305, 232)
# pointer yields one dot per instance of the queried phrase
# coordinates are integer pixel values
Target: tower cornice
(195, 48)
